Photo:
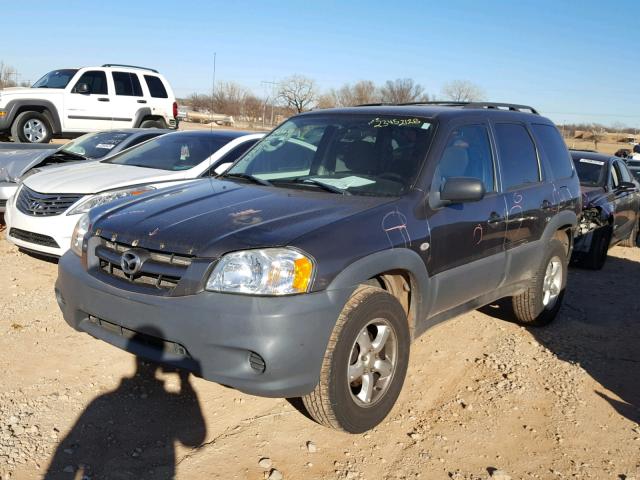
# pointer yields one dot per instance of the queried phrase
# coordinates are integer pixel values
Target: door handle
(142, 101)
(494, 218)
(546, 205)
(103, 99)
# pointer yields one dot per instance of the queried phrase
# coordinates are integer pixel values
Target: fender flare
(140, 115)
(50, 111)
(404, 259)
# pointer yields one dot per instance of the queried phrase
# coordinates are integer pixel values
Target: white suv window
(127, 84)
(96, 80)
(156, 88)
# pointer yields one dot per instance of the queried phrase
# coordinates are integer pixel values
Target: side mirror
(462, 190)
(223, 167)
(83, 88)
(626, 186)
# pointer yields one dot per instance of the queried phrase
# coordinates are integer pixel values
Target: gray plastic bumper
(220, 332)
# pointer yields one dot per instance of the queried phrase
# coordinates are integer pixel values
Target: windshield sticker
(107, 146)
(346, 182)
(184, 153)
(592, 162)
(396, 122)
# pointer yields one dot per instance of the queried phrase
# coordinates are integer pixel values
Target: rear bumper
(221, 333)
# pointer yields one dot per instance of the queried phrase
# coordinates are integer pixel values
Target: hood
(28, 92)
(592, 196)
(15, 163)
(94, 177)
(210, 217)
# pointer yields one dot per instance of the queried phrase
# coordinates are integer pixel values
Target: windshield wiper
(324, 186)
(249, 177)
(67, 153)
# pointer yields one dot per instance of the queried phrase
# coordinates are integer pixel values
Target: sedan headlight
(82, 227)
(269, 271)
(106, 197)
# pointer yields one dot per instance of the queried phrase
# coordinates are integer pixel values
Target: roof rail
(488, 105)
(129, 66)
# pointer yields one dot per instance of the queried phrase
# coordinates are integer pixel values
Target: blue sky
(574, 61)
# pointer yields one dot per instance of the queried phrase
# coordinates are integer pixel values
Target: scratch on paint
(394, 224)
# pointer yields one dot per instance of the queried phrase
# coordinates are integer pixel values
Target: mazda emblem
(130, 263)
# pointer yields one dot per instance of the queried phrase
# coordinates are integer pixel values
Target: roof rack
(488, 105)
(129, 66)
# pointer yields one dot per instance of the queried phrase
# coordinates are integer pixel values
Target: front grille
(159, 270)
(3, 203)
(31, 237)
(44, 204)
(133, 336)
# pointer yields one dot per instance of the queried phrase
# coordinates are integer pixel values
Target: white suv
(86, 100)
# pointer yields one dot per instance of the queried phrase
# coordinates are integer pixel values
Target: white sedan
(42, 214)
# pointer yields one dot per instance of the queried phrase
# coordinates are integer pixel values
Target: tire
(153, 124)
(596, 257)
(533, 306)
(341, 403)
(31, 127)
(633, 238)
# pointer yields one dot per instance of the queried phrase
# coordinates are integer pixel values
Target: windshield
(591, 172)
(96, 145)
(55, 79)
(352, 154)
(178, 151)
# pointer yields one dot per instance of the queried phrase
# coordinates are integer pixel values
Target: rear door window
(156, 88)
(555, 150)
(518, 159)
(127, 84)
(96, 80)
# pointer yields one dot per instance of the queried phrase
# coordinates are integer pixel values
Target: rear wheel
(153, 124)
(540, 302)
(31, 127)
(633, 238)
(364, 365)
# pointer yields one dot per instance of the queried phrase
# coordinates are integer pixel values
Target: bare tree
(598, 134)
(402, 90)
(254, 108)
(462, 91)
(298, 92)
(229, 98)
(8, 76)
(198, 102)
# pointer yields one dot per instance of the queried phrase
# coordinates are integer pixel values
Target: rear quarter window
(156, 87)
(518, 158)
(555, 150)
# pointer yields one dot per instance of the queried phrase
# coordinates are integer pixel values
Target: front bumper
(220, 332)
(7, 189)
(57, 227)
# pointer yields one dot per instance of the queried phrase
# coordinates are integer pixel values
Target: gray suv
(307, 269)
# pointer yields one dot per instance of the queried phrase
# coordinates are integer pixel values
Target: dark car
(611, 200)
(310, 265)
(19, 160)
(634, 167)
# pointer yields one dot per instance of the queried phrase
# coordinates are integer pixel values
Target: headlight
(82, 227)
(269, 271)
(106, 197)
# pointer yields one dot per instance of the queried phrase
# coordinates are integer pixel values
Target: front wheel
(540, 303)
(365, 363)
(31, 127)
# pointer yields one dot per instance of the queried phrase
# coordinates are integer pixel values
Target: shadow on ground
(131, 432)
(598, 327)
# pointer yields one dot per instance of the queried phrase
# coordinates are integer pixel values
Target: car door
(466, 253)
(88, 110)
(624, 201)
(128, 98)
(528, 198)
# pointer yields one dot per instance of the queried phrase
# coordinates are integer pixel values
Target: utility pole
(273, 95)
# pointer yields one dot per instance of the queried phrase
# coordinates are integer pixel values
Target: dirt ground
(483, 397)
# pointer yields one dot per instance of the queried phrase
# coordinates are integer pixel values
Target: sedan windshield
(592, 173)
(55, 79)
(95, 145)
(349, 154)
(177, 151)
